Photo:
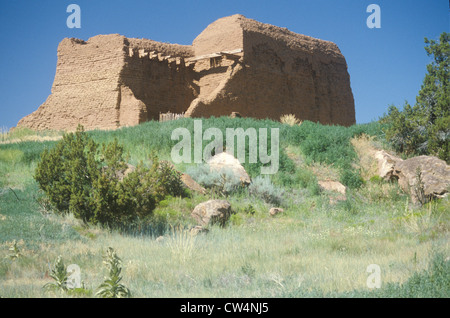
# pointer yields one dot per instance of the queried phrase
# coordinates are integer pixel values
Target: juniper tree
(425, 127)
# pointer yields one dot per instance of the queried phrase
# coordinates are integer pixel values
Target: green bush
(307, 179)
(66, 173)
(168, 180)
(92, 185)
(352, 179)
(423, 129)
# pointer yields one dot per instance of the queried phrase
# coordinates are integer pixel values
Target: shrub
(329, 145)
(66, 173)
(299, 178)
(63, 281)
(168, 179)
(250, 209)
(351, 179)
(306, 179)
(419, 188)
(263, 188)
(424, 127)
(15, 251)
(223, 181)
(79, 179)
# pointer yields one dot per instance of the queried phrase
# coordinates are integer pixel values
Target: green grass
(319, 143)
(24, 134)
(23, 220)
(18, 161)
(316, 248)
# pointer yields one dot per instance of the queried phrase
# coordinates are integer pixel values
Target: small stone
(275, 211)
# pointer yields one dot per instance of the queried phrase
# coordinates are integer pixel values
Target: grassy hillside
(320, 246)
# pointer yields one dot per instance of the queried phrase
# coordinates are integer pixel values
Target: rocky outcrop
(386, 164)
(236, 65)
(434, 174)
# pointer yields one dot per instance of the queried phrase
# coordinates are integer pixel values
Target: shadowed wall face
(157, 84)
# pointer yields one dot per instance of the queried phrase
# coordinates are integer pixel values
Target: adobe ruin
(235, 65)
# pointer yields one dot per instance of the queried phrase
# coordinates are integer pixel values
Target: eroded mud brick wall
(281, 73)
(112, 81)
(298, 74)
(155, 79)
(85, 87)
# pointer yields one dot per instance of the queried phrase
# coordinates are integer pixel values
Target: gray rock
(435, 175)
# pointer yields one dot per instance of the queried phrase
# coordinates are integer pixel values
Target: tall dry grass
(290, 119)
(17, 135)
(365, 149)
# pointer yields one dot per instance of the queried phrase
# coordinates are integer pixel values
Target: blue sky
(386, 65)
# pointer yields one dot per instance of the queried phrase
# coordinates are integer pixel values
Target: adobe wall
(281, 73)
(304, 76)
(112, 81)
(221, 35)
(165, 49)
(158, 83)
(85, 86)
